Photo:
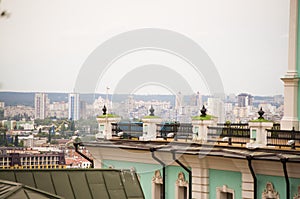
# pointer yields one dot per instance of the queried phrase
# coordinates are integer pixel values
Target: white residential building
(40, 105)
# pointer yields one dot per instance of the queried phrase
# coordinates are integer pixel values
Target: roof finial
(261, 113)
(104, 110)
(203, 111)
(151, 111)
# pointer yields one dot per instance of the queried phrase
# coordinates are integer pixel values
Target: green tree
(77, 140)
(72, 125)
(62, 128)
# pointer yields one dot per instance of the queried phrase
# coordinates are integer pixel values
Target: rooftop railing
(129, 129)
(229, 134)
(283, 138)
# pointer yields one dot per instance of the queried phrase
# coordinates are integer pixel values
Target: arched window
(157, 185)
(182, 187)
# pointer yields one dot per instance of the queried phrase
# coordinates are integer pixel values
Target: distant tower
(74, 106)
(179, 103)
(83, 108)
(245, 100)
(199, 102)
(40, 105)
(215, 107)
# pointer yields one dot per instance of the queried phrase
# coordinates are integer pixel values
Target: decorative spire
(203, 111)
(261, 113)
(151, 111)
(104, 110)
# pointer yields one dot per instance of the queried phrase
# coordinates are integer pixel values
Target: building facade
(40, 105)
(15, 158)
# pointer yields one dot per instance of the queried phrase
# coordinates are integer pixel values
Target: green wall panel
(218, 178)
(146, 173)
(172, 175)
(277, 181)
(294, 183)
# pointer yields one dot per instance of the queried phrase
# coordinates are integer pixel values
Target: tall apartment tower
(196, 100)
(40, 105)
(245, 100)
(74, 106)
(179, 103)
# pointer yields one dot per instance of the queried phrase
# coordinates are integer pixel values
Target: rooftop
(72, 183)
(210, 149)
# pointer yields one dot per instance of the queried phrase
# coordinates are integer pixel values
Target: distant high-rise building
(40, 105)
(196, 100)
(74, 106)
(83, 108)
(215, 107)
(179, 103)
(245, 100)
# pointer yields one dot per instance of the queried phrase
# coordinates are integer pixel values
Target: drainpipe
(83, 155)
(287, 182)
(249, 158)
(163, 171)
(187, 170)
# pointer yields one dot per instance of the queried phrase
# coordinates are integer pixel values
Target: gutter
(286, 176)
(83, 155)
(249, 158)
(187, 170)
(163, 171)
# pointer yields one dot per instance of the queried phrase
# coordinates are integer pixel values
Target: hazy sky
(45, 42)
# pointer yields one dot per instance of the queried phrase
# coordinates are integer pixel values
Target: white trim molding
(222, 190)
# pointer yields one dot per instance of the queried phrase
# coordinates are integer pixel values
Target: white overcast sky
(44, 43)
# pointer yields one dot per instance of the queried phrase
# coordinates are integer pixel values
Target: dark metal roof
(13, 190)
(78, 183)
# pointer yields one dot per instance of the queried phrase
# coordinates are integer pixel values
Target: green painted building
(217, 171)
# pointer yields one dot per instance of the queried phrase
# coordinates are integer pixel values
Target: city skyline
(249, 51)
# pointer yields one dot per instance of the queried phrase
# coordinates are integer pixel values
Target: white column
(200, 128)
(105, 127)
(150, 127)
(290, 118)
(260, 130)
(293, 33)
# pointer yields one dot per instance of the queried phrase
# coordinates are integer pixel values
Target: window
(101, 127)
(145, 129)
(157, 185)
(195, 132)
(253, 134)
(225, 195)
(182, 186)
(224, 192)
